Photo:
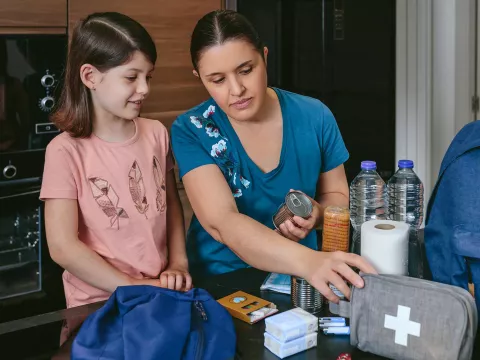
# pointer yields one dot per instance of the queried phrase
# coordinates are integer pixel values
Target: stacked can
(336, 229)
(336, 233)
(303, 294)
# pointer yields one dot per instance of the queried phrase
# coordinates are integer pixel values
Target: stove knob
(9, 171)
(47, 80)
(46, 104)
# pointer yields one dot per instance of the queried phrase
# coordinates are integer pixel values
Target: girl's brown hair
(104, 40)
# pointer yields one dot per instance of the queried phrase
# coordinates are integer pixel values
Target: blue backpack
(147, 322)
(452, 227)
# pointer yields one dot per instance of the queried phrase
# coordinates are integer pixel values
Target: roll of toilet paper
(384, 244)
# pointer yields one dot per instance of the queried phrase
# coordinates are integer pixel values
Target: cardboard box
(242, 306)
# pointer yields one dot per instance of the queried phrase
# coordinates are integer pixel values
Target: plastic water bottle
(405, 203)
(367, 200)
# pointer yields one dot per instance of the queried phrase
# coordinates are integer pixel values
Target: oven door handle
(20, 194)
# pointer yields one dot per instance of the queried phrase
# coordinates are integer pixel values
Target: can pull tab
(296, 201)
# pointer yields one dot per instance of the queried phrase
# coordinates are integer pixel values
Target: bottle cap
(405, 164)
(368, 165)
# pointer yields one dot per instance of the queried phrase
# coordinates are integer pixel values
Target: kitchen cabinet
(28, 14)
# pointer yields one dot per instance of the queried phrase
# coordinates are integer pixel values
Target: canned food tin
(296, 204)
(336, 229)
(305, 296)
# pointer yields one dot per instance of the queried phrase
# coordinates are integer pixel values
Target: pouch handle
(342, 308)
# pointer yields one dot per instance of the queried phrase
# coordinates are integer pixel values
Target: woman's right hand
(334, 268)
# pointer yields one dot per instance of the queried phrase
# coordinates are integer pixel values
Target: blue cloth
(452, 230)
(312, 144)
(150, 323)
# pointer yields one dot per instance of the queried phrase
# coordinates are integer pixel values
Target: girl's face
(235, 75)
(120, 91)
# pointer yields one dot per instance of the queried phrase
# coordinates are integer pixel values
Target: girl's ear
(90, 76)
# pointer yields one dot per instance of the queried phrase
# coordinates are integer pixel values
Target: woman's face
(235, 75)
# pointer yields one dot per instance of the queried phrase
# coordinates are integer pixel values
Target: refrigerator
(341, 52)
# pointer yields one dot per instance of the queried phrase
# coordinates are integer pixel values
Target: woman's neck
(113, 129)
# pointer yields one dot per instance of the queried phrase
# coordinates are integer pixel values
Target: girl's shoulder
(151, 125)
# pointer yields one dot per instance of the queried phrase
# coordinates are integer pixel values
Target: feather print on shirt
(137, 189)
(160, 183)
(108, 200)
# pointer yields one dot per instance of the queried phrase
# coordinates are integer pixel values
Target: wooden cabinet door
(33, 13)
(174, 89)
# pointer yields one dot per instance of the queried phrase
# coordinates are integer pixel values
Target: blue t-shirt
(312, 144)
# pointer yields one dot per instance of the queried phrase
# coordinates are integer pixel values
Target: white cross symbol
(402, 325)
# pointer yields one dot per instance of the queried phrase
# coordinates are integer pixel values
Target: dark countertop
(38, 337)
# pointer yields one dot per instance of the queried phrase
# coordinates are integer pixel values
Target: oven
(31, 70)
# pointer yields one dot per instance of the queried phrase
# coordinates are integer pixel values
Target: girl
(111, 205)
(243, 150)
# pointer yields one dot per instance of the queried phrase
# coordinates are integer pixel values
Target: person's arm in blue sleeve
(215, 207)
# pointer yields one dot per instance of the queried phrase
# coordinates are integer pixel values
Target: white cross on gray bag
(400, 317)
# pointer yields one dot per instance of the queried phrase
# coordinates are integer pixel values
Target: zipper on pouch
(201, 336)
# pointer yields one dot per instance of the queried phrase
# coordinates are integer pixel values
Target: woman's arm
(261, 247)
(176, 275)
(61, 220)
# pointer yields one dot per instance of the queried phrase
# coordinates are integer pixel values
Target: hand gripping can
(296, 204)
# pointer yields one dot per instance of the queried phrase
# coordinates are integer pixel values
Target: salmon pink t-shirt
(121, 194)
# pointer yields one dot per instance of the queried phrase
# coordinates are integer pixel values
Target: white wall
(435, 80)
(453, 74)
(413, 86)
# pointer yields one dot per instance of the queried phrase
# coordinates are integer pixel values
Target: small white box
(291, 324)
(284, 349)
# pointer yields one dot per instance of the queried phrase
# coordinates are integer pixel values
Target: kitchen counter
(38, 337)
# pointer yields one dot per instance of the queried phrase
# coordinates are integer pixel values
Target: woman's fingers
(297, 232)
(337, 281)
(286, 233)
(359, 262)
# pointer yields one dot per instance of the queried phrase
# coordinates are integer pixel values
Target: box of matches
(247, 307)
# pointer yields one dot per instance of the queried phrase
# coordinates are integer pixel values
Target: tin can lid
(299, 204)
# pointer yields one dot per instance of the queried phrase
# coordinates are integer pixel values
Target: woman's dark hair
(104, 40)
(218, 27)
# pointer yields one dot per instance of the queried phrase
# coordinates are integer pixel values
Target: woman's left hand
(300, 227)
(176, 278)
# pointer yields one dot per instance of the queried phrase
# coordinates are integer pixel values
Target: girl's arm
(61, 220)
(261, 247)
(176, 275)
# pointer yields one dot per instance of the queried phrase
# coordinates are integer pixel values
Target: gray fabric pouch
(400, 317)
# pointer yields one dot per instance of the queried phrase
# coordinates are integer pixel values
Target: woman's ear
(195, 73)
(90, 76)
(265, 54)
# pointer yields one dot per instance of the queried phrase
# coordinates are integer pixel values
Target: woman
(243, 150)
